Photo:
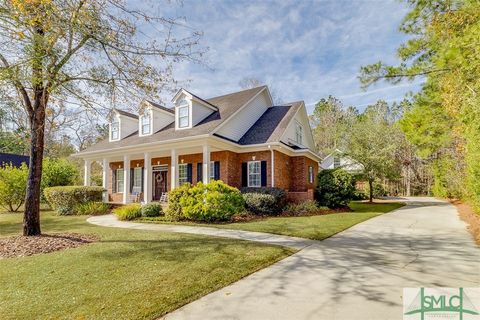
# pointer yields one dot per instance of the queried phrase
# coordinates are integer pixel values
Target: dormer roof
(195, 97)
(125, 113)
(160, 107)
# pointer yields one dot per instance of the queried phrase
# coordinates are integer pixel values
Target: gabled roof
(271, 125)
(125, 113)
(226, 104)
(156, 105)
(200, 99)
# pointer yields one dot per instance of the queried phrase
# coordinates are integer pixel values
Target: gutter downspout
(272, 169)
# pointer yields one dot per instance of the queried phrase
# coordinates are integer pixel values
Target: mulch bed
(20, 246)
(468, 215)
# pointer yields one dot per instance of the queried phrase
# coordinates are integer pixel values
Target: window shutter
(189, 172)
(114, 180)
(216, 165)
(264, 173)
(131, 179)
(199, 172)
(143, 181)
(244, 174)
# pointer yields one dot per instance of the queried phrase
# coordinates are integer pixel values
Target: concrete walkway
(357, 274)
(291, 242)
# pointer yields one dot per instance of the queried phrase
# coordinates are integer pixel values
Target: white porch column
(206, 164)
(126, 179)
(173, 169)
(147, 178)
(105, 179)
(87, 171)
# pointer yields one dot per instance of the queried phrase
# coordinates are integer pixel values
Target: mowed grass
(127, 275)
(311, 227)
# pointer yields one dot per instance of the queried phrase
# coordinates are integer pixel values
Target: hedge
(264, 201)
(65, 199)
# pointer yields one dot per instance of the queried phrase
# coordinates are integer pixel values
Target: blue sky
(304, 50)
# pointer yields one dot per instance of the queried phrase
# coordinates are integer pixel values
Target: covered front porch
(144, 177)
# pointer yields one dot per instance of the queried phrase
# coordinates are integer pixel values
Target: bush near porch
(64, 200)
(215, 201)
(264, 201)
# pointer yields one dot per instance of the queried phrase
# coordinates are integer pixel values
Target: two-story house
(240, 138)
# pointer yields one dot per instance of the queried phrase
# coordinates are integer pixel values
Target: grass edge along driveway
(129, 274)
(316, 227)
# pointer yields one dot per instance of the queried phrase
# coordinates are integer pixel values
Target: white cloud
(304, 49)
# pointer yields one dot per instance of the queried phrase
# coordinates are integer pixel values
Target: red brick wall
(299, 174)
(297, 197)
(283, 167)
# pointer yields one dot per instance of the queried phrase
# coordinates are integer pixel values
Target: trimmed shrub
(265, 201)
(302, 209)
(174, 210)
(153, 209)
(215, 201)
(335, 188)
(128, 212)
(13, 185)
(92, 208)
(65, 199)
(58, 172)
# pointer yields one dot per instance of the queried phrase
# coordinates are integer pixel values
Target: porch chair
(135, 195)
(164, 197)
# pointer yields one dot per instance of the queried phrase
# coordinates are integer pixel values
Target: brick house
(240, 138)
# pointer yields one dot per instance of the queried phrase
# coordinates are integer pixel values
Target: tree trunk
(31, 217)
(370, 185)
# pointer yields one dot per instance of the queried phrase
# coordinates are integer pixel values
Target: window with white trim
(137, 179)
(310, 174)
(183, 114)
(212, 170)
(254, 174)
(298, 133)
(115, 130)
(146, 122)
(182, 173)
(119, 180)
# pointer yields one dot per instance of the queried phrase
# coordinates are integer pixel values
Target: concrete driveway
(357, 274)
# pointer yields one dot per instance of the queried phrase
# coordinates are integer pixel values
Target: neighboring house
(337, 159)
(14, 159)
(239, 138)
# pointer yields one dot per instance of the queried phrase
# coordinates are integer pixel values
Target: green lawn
(127, 275)
(312, 227)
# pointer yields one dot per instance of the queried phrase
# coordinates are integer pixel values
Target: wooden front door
(159, 184)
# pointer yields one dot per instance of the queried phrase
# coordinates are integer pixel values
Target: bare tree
(86, 52)
(248, 83)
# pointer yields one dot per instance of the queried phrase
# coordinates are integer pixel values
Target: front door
(159, 184)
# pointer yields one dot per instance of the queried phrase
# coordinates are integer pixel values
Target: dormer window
(298, 133)
(146, 123)
(115, 130)
(183, 114)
